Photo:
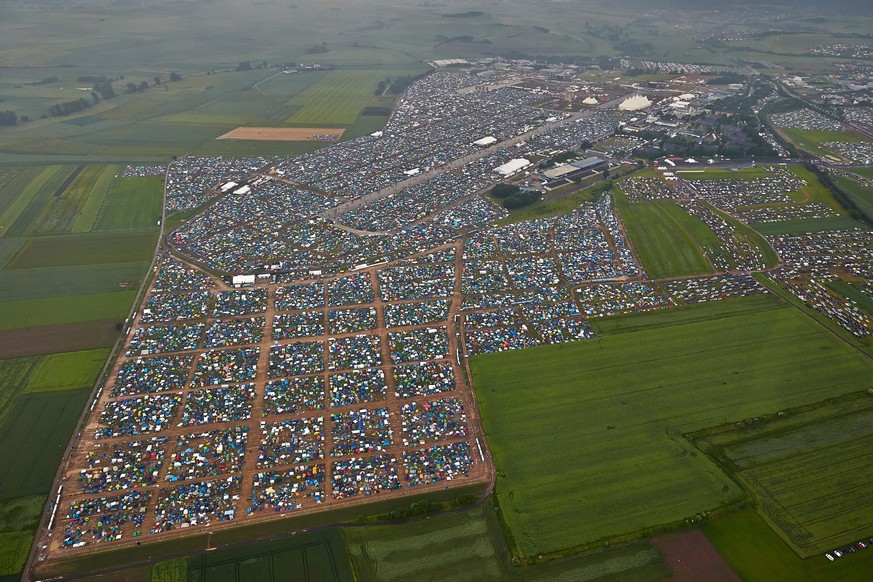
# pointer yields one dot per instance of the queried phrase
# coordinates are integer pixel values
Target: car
(829, 557)
(838, 553)
(861, 545)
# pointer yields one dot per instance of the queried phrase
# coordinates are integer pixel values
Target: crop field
(65, 371)
(131, 203)
(470, 546)
(15, 373)
(65, 309)
(74, 206)
(623, 404)
(309, 556)
(85, 249)
(14, 547)
(757, 554)
(662, 240)
(32, 198)
(33, 439)
(339, 96)
(808, 473)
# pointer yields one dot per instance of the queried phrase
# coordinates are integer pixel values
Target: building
(485, 141)
(635, 103)
(512, 166)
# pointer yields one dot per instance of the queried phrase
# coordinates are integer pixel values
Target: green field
(32, 199)
(861, 195)
(74, 208)
(808, 472)
(65, 309)
(724, 174)
(806, 225)
(338, 97)
(14, 372)
(65, 371)
(580, 448)
(85, 249)
(132, 203)
(811, 140)
(759, 555)
(72, 280)
(14, 547)
(32, 441)
(661, 236)
(308, 556)
(470, 546)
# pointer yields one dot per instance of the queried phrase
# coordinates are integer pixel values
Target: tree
(157, 80)
(8, 118)
(174, 76)
(144, 85)
(501, 190)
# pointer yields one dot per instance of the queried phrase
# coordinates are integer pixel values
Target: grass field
(14, 547)
(30, 195)
(65, 309)
(33, 439)
(338, 97)
(65, 371)
(807, 225)
(811, 140)
(661, 236)
(555, 207)
(308, 556)
(724, 174)
(132, 203)
(759, 555)
(861, 195)
(15, 373)
(85, 249)
(170, 571)
(72, 280)
(808, 473)
(470, 546)
(624, 401)
(73, 207)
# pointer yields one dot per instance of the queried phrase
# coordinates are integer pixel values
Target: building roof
(635, 103)
(587, 163)
(512, 166)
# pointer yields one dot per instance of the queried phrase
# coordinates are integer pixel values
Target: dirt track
(284, 133)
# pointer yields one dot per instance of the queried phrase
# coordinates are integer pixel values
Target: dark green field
(84, 249)
(70, 280)
(65, 309)
(808, 471)
(758, 555)
(470, 546)
(580, 447)
(33, 440)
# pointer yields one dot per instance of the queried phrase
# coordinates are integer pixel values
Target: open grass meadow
(15, 373)
(33, 438)
(577, 429)
(808, 471)
(131, 203)
(662, 238)
(43, 282)
(757, 554)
